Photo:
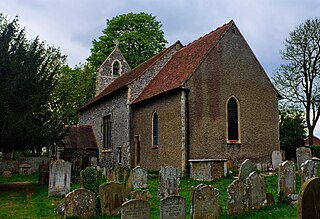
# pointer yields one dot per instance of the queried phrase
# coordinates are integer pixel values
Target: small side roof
(181, 66)
(127, 78)
(81, 137)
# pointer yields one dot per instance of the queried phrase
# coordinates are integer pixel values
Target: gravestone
(245, 169)
(308, 170)
(270, 198)
(59, 178)
(135, 209)
(204, 202)
(286, 178)
(112, 195)
(139, 178)
(237, 197)
(80, 203)
(25, 169)
(169, 181)
(173, 207)
(309, 199)
(303, 154)
(256, 190)
(142, 194)
(43, 173)
(276, 159)
(6, 174)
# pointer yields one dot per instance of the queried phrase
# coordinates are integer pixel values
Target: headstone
(204, 202)
(303, 154)
(43, 173)
(256, 189)
(169, 181)
(308, 170)
(139, 178)
(6, 174)
(59, 178)
(270, 198)
(245, 169)
(25, 169)
(276, 159)
(80, 203)
(264, 167)
(259, 167)
(141, 194)
(237, 197)
(309, 199)
(286, 178)
(135, 209)
(173, 207)
(112, 195)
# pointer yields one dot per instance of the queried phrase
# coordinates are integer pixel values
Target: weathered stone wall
(115, 105)
(169, 150)
(13, 165)
(232, 69)
(104, 72)
(137, 86)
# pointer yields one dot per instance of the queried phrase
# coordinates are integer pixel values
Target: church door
(136, 150)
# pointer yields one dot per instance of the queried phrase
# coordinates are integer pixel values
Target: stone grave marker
(25, 169)
(80, 203)
(59, 178)
(256, 189)
(276, 159)
(237, 197)
(245, 169)
(270, 198)
(303, 154)
(139, 178)
(309, 199)
(204, 202)
(169, 181)
(6, 174)
(308, 170)
(43, 173)
(112, 195)
(173, 207)
(286, 178)
(135, 209)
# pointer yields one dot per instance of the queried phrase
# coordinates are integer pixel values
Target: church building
(210, 99)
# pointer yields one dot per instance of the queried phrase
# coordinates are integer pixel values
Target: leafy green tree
(292, 130)
(298, 79)
(139, 36)
(28, 73)
(74, 89)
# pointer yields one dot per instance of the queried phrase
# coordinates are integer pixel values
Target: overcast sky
(73, 24)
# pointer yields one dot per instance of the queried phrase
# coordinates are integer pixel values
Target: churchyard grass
(37, 204)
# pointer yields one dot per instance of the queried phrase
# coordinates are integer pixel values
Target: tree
(292, 130)
(28, 73)
(139, 36)
(298, 79)
(74, 89)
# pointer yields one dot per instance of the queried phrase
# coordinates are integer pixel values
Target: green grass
(39, 205)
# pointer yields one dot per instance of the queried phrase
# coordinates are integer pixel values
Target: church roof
(80, 137)
(127, 78)
(183, 63)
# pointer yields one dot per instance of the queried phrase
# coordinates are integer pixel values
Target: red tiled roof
(181, 66)
(81, 137)
(127, 78)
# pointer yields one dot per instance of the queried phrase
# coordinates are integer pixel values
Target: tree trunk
(310, 129)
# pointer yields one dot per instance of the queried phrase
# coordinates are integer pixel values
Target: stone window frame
(107, 134)
(113, 67)
(233, 141)
(155, 136)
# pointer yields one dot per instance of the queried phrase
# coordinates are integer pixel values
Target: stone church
(210, 99)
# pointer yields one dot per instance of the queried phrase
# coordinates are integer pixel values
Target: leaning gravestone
(80, 203)
(169, 181)
(303, 154)
(59, 178)
(139, 178)
(173, 207)
(237, 197)
(308, 170)
(204, 202)
(286, 178)
(256, 189)
(309, 199)
(135, 209)
(276, 159)
(245, 169)
(112, 195)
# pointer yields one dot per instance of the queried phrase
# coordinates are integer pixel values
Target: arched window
(115, 69)
(155, 129)
(233, 120)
